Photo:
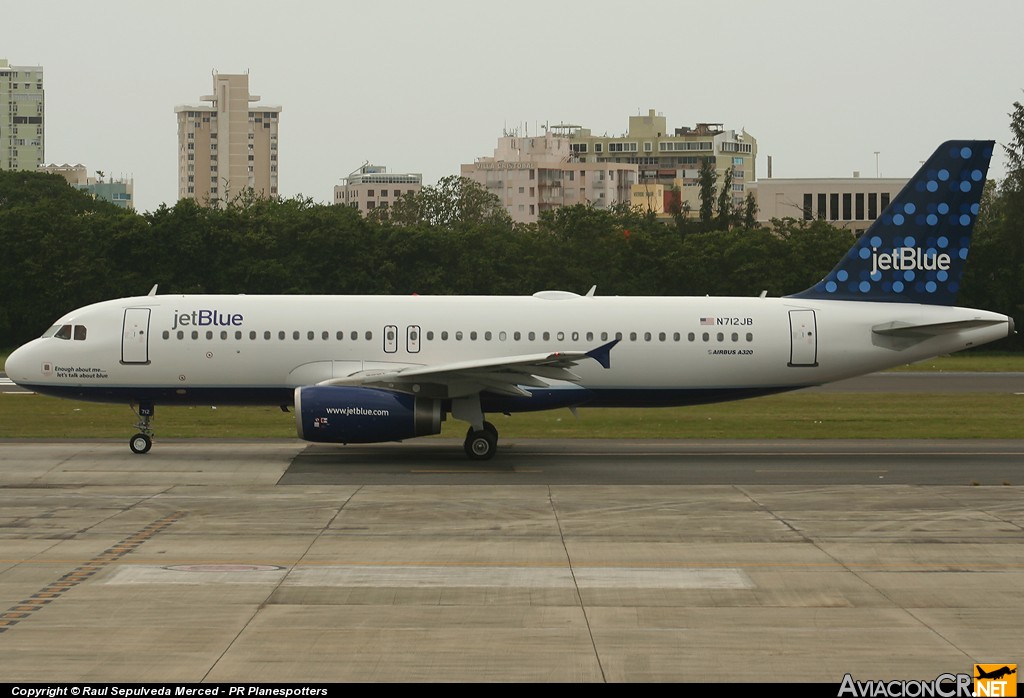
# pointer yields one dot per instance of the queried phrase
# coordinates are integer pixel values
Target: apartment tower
(21, 116)
(229, 147)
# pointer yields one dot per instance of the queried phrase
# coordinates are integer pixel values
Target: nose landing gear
(143, 441)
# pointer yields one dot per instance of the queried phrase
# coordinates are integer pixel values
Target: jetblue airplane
(366, 369)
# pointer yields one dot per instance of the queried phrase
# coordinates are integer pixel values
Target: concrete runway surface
(237, 561)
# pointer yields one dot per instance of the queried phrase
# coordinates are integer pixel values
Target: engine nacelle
(348, 415)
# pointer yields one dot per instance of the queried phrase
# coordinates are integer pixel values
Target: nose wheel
(143, 441)
(140, 443)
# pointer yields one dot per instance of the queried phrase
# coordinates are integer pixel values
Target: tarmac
(260, 561)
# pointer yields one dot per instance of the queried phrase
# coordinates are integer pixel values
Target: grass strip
(794, 415)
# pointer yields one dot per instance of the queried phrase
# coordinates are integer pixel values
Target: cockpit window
(63, 332)
(51, 331)
(80, 332)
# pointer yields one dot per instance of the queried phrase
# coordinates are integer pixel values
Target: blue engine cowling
(339, 414)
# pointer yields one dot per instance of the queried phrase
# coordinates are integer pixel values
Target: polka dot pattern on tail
(915, 250)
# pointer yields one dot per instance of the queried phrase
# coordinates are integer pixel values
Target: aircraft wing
(504, 375)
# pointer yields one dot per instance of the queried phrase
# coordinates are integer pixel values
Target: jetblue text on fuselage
(206, 318)
(908, 258)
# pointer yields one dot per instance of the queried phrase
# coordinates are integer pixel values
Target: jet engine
(352, 415)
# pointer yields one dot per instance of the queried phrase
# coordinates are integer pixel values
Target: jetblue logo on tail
(908, 258)
(915, 251)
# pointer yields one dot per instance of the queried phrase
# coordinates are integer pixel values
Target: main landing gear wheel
(140, 443)
(483, 444)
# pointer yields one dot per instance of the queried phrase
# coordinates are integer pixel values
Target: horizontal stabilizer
(907, 329)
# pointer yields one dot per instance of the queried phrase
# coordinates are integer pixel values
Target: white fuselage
(196, 349)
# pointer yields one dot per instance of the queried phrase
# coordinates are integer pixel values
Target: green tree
(994, 278)
(725, 211)
(749, 210)
(453, 201)
(706, 179)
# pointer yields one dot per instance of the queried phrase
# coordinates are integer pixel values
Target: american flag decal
(707, 321)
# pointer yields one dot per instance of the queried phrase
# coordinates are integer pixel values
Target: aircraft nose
(18, 365)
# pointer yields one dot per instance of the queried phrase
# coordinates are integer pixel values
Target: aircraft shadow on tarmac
(661, 463)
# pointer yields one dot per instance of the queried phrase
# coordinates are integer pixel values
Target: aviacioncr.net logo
(942, 686)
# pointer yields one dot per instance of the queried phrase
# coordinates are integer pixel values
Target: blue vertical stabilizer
(916, 250)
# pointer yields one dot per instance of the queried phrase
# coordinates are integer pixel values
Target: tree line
(62, 249)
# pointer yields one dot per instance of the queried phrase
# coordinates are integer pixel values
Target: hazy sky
(425, 86)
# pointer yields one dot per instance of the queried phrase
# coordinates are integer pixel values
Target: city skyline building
(22, 116)
(372, 186)
(533, 174)
(229, 146)
(846, 202)
(672, 158)
(120, 192)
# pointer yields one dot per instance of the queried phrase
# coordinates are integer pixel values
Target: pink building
(539, 173)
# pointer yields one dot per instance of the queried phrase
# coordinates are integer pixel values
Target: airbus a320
(365, 369)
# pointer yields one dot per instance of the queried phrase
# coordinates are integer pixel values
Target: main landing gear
(481, 444)
(482, 438)
(143, 441)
